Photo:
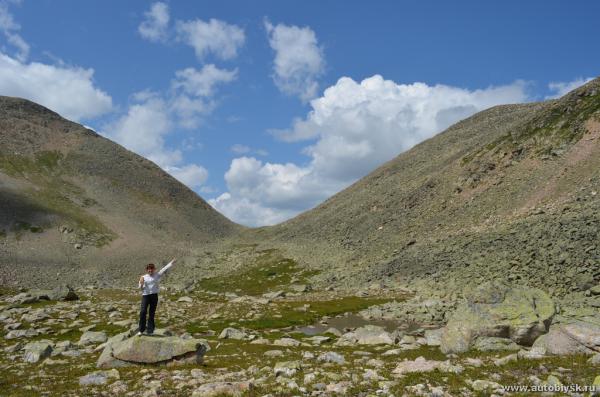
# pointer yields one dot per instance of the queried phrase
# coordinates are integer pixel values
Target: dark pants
(148, 301)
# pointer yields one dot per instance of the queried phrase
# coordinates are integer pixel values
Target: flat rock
(155, 349)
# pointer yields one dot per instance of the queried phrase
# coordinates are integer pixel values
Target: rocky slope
(509, 193)
(74, 202)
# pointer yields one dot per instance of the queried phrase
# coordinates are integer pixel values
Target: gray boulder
(490, 343)
(215, 389)
(498, 310)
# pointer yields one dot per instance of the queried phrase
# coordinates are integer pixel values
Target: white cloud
(155, 25)
(202, 82)
(298, 60)
(67, 90)
(215, 36)
(9, 29)
(192, 92)
(355, 127)
(560, 88)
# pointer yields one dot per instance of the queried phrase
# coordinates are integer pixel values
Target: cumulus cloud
(354, 127)
(155, 25)
(299, 59)
(215, 36)
(560, 88)
(67, 90)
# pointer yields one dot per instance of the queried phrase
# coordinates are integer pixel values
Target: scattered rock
(286, 342)
(185, 299)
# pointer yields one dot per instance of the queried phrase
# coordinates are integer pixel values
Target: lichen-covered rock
(498, 310)
(287, 368)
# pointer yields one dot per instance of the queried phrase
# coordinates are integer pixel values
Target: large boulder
(572, 338)
(124, 350)
(498, 310)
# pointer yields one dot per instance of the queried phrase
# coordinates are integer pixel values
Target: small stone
(98, 377)
(185, 299)
(36, 351)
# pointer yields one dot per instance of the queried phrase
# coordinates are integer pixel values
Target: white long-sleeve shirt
(150, 285)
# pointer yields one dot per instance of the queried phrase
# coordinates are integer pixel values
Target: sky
(267, 108)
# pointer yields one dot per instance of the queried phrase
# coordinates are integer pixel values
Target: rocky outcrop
(498, 310)
(123, 350)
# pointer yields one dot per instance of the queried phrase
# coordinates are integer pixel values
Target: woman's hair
(150, 266)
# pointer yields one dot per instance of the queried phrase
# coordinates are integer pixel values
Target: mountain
(73, 201)
(509, 193)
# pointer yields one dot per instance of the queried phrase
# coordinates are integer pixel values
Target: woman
(149, 286)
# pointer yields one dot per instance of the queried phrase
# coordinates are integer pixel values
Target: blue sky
(266, 108)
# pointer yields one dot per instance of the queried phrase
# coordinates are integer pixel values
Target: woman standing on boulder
(149, 286)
